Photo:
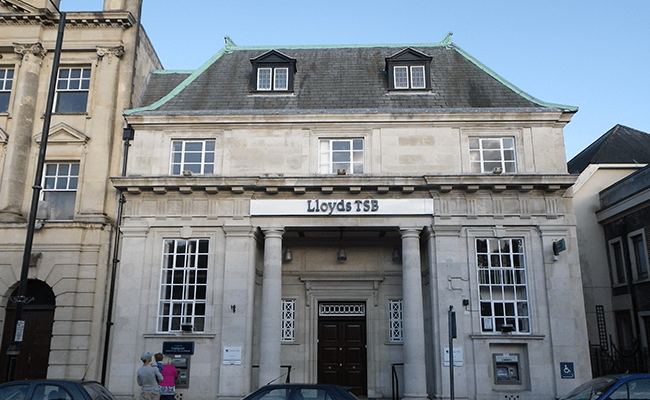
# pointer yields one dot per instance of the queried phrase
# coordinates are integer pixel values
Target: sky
(593, 54)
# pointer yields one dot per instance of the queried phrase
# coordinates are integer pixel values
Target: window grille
(6, 83)
(184, 283)
(396, 334)
(487, 155)
(60, 181)
(502, 283)
(72, 87)
(288, 320)
(341, 310)
(196, 156)
(340, 154)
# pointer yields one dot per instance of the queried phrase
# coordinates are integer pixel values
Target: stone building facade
(318, 211)
(106, 57)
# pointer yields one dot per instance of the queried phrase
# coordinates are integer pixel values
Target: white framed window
(503, 291)
(196, 156)
(638, 254)
(490, 155)
(395, 314)
(288, 320)
(72, 87)
(617, 262)
(405, 77)
(335, 155)
(184, 285)
(273, 78)
(60, 182)
(6, 83)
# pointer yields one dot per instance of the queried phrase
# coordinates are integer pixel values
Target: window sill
(272, 94)
(419, 92)
(509, 336)
(198, 335)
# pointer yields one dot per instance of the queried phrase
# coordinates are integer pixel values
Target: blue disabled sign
(567, 371)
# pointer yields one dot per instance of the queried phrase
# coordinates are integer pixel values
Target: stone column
(20, 141)
(415, 386)
(133, 6)
(102, 132)
(271, 307)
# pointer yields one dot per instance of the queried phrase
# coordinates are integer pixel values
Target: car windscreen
(592, 389)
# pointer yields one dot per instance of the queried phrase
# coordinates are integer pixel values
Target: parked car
(301, 391)
(613, 387)
(54, 390)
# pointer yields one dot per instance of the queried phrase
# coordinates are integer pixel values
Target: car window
(273, 394)
(96, 391)
(639, 389)
(592, 389)
(50, 392)
(311, 394)
(14, 392)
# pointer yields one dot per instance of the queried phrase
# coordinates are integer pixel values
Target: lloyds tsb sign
(341, 207)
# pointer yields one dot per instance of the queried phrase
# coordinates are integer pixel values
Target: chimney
(134, 6)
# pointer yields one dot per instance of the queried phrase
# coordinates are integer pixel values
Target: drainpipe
(127, 135)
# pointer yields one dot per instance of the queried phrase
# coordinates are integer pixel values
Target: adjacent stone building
(105, 60)
(317, 212)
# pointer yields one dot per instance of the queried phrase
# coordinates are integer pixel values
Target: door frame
(342, 289)
(344, 319)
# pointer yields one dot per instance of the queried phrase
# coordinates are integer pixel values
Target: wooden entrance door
(342, 352)
(35, 347)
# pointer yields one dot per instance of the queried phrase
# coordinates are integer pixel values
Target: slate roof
(619, 145)
(336, 79)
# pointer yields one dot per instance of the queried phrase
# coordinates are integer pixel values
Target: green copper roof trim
(230, 47)
(169, 72)
(510, 85)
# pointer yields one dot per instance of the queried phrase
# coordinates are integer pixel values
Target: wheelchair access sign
(567, 371)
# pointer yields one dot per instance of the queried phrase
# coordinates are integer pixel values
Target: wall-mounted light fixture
(186, 328)
(507, 328)
(396, 255)
(341, 257)
(288, 255)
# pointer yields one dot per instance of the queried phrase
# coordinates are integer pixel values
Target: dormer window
(408, 70)
(273, 72)
(272, 78)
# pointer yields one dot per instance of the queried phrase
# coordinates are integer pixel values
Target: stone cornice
(111, 19)
(362, 185)
(503, 117)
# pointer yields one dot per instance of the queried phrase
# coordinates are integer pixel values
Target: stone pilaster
(20, 141)
(102, 132)
(270, 345)
(413, 318)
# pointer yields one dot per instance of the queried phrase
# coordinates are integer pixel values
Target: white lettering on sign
(313, 207)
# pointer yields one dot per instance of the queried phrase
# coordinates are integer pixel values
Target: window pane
(71, 102)
(417, 77)
(400, 77)
(281, 79)
(264, 79)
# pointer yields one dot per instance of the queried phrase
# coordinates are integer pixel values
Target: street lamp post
(13, 351)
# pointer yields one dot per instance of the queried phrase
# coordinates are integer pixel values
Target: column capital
(26, 49)
(410, 232)
(110, 51)
(273, 232)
